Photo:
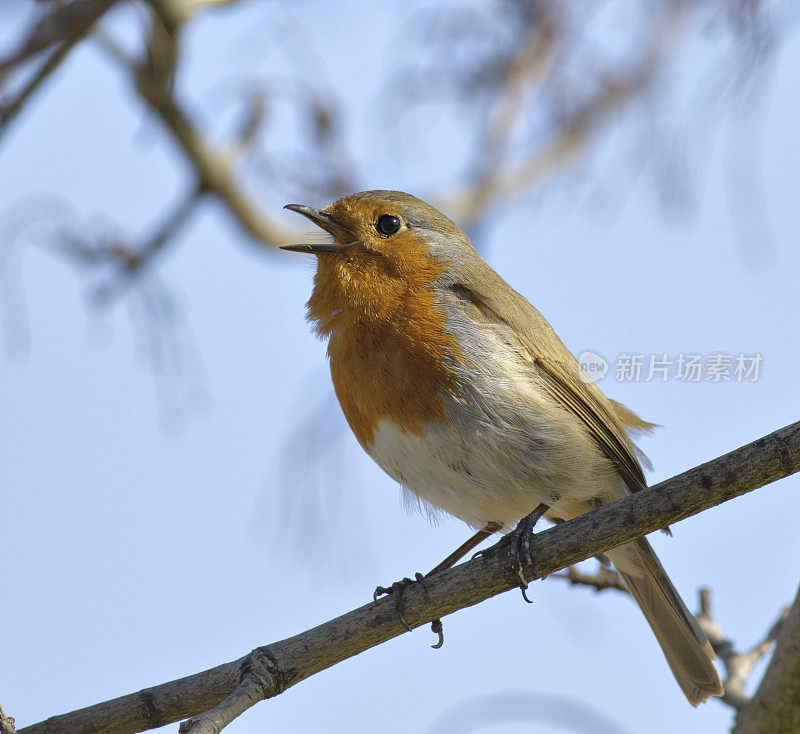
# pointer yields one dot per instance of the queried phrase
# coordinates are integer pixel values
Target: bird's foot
(517, 546)
(396, 590)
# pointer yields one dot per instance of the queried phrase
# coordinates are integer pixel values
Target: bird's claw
(520, 552)
(519, 548)
(437, 628)
(397, 589)
(513, 540)
(523, 583)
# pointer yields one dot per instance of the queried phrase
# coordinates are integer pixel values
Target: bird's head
(387, 252)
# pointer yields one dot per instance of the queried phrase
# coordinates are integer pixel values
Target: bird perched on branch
(462, 392)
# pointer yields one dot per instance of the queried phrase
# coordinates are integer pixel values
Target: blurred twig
(214, 168)
(534, 63)
(63, 26)
(62, 23)
(131, 261)
(546, 88)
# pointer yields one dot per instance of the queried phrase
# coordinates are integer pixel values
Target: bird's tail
(685, 646)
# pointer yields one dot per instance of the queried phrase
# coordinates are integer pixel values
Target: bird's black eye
(387, 225)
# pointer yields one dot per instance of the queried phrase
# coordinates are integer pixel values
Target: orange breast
(391, 356)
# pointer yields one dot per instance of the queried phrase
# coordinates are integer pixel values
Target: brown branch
(498, 179)
(214, 173)
(64, 23)
(178, 12)
(738, 665)
(6, 723)
(605, 578)
(285, 663)
(213, 168)
(775, 707)
(64, 27)
(258, 680)
(9, 110)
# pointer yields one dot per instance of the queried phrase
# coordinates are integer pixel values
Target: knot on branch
(260, 677)
(260, 669)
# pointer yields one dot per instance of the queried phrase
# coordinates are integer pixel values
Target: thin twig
(213, 168)
(64, 22)
(605, 578)
(83, 14)
(738, 665)
(131, 262)
(9, 110)
(501, 178)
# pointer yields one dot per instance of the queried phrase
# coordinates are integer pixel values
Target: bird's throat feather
(391, 354)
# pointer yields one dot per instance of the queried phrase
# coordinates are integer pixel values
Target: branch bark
(285, 663)
(776, 704)
(6, 723)
(738, 665)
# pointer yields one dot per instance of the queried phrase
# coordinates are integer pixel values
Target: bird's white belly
(496, 463)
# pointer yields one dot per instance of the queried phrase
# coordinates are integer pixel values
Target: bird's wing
(494, 301)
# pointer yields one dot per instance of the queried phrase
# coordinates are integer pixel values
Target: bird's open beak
(322, 219)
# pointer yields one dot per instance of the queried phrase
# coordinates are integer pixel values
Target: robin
(462, 392)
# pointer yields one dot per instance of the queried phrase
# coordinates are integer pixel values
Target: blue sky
(158, 525)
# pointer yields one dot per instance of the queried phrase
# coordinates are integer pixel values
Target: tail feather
(685, 646)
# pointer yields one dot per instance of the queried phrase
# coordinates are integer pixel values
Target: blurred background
(178, 483)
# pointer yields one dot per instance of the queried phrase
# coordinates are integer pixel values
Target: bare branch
(258, 680)
(215, 174)
(64, 23)
(63, 28)
(499, 179)
(775, 707)
(6, 723)
(285, 663)
(738, 665)
(605, 578)
(178, 12)
(9, 110)
(214, 169)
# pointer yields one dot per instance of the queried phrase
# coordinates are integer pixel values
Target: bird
(462, 392)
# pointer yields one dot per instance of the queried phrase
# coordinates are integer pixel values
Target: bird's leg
(398, 587)
(518, 541)
(465, 548)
